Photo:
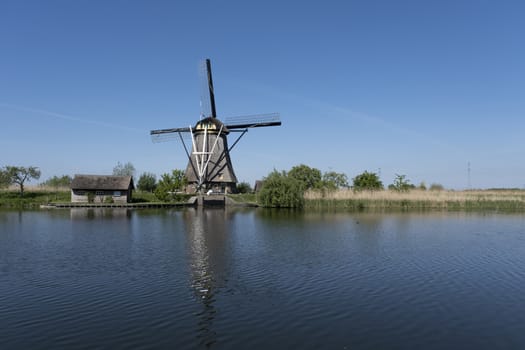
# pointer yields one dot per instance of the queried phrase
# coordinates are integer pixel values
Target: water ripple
(224, 280)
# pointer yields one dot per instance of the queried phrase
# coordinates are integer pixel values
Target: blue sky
(421, 88)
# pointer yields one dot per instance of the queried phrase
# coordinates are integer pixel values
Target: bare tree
(19, 175)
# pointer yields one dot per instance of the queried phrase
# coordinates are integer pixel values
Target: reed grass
(37, 188)
(504, 200)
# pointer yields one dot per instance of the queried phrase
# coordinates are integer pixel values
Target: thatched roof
(102, 182)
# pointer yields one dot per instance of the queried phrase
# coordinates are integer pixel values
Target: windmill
(209, 163)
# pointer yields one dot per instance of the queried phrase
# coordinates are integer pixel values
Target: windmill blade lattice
(253, 121)
(175, 134)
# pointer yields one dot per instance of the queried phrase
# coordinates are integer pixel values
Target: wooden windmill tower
(209, 164)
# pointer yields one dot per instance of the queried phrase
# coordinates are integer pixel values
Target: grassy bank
(481, 200)
(495, 200)
(36, 196)
(32, 198)
(248, 198)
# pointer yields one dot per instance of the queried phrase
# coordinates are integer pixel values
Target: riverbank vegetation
(281, 190)
(300, 187)
(318, 199)
(499, 200)
(305, 187)
(33, 197)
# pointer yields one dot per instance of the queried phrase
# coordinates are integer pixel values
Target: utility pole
(468, 176)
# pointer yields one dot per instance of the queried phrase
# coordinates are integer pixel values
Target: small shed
(101, 189)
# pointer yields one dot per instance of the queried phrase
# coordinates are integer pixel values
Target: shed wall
(80, 196)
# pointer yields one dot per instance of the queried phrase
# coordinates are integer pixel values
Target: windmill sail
(208, 108)
(253, 121)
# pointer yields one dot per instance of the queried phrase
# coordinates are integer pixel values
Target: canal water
(259, 279)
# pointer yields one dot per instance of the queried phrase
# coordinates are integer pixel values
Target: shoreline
(348, 200)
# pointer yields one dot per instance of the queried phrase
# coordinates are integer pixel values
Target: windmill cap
(212, 124)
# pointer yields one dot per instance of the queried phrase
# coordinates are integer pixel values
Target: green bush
(367, 181)
(436, 187)
(307, 177)
(401, 184)
(170, 184)
(147, 182)
(281, 191)
(333, 180)
(55, 181)
(244, 187)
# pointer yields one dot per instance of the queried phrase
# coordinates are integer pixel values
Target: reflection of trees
(280, 214)
(207, 237)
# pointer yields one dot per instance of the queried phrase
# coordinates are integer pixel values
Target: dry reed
(38, 188)
(416, 195)
(418, 199)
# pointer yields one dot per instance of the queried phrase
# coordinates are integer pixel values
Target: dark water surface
(257, 279)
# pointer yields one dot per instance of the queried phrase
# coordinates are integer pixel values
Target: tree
(124, 169)
(401, 184)
(170, 184)
(282, 191)
(5, 181)
(147, 182)
(333, 180)
(244, 187)
(308, 177)
(436, 187)
(19, 175)
(56, 182)
(367, 181)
